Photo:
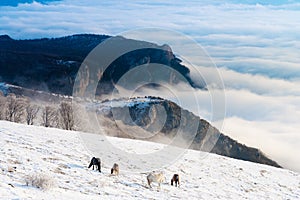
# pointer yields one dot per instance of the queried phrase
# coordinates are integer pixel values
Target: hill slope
(61, 156)
(150, 119)
(163, 119)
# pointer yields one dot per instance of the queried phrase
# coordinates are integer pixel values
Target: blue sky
(255, 45)
(263, 2)
(16, 2)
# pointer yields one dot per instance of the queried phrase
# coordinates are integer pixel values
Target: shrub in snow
(11, 169)
(41, 181)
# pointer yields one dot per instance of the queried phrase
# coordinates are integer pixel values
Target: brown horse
(175, 179)
(115, 169)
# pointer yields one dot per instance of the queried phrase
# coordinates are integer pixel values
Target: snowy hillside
(60, 155)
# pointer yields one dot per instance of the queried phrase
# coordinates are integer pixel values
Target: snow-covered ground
(106, 105)
(61, 156)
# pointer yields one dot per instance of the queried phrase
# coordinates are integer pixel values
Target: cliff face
(149, 115)
(52, 64)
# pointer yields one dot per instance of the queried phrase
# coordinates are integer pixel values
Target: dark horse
(175, 179)
(97, 162)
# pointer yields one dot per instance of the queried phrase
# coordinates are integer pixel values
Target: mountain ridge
(146, 114)
(51, 64)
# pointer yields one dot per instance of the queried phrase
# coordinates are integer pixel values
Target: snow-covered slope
(61, 156)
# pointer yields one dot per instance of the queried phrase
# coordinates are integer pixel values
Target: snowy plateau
(63, 158)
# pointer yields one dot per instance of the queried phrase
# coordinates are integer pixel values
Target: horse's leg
(149, 183)
(90, 164)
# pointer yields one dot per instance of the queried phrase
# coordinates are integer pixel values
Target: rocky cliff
(162, 118)
(52, 64)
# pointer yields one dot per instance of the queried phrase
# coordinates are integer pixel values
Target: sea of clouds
(254, 44)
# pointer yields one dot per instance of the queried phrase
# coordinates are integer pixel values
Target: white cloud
(277, 140)
(270, 123)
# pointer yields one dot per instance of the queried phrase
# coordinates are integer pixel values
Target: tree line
(22, 110)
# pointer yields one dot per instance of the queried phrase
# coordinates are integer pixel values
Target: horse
(115, 169)
(175, 179)
(155, 177)
(97, 162)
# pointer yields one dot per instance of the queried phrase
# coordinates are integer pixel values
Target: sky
(254, 44)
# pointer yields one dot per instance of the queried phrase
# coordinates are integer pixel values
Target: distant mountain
(44, 68)
(52, 64)
(146, 113)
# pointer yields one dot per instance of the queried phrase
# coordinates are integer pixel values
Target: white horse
(155, 177)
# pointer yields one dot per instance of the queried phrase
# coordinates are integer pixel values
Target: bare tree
(2, 106)
(11, 105)
(67, 116)
(31, 113)
(50, 117)
(19, 115)
(15, 110)
(81, 118)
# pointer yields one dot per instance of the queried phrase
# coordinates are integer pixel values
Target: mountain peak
(5, 38)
